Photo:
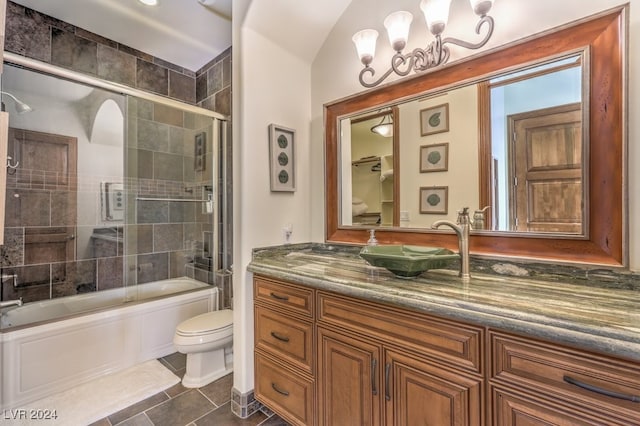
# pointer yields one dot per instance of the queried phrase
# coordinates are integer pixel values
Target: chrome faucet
(8, 303)
(461, 228)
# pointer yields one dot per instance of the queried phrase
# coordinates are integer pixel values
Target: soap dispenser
(372, 241)
(478, 218)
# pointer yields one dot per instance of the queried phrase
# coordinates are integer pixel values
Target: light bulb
(481, 7)
(365, 42)
(436, 13)
(397, 25)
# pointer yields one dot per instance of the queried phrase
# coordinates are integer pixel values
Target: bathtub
(54, 345)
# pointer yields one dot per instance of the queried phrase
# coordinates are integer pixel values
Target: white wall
(272, 86)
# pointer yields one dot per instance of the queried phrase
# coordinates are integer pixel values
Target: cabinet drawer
(444, 341)
(512, 409)
(290, 297)
(286, 338)
(545, 368)
(289, 395)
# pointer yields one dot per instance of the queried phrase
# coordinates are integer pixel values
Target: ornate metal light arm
(435, 54)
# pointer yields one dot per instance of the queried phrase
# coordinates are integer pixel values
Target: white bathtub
(54, 355)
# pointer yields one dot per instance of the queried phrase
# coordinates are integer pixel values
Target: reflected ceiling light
(149, 2)
(385, 127)
(21, 107)
(436, 14)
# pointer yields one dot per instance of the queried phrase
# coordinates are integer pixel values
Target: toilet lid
(208, 322)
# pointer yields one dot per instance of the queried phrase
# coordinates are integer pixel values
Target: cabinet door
(420, 393)
(349, 380)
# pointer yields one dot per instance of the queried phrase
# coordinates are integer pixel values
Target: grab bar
(184, 200)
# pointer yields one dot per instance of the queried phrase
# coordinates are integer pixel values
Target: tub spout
(461, 229)
(8, 303)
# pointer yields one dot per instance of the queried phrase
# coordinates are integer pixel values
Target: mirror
(573, 150)
(535, 154)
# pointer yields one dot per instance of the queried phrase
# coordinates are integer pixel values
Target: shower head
(21, 107)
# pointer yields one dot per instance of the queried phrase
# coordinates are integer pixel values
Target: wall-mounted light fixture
(21, 107)
(385, 127)
(149, 2)
(436, 13)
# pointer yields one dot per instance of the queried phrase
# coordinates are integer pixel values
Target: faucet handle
(463, 216)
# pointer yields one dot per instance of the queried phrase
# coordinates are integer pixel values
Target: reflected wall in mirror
(535, 153)
(536, 133)
(369, 192)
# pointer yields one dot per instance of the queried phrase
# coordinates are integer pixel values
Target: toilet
(207, 340)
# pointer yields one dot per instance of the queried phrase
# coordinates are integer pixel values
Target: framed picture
(434, 120)
(434, 199)
(281, 158)
(434, 158)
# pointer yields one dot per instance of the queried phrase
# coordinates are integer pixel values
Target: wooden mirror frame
(604, 36)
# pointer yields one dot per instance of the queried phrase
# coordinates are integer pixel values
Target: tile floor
(179, 406)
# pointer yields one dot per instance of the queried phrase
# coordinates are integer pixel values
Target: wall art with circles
(281, 158)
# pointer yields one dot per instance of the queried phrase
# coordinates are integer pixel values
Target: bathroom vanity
(339, 342)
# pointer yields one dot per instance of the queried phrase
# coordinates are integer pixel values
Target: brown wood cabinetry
(328, 359)
(429, 372)
(541, 383)
(284, 350)
(348, 380)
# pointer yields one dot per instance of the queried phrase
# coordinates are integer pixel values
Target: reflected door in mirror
(547, 170)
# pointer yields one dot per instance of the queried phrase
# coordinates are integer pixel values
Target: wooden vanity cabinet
(284, 349)
(329, 359)
(381, 365)
(539, 383)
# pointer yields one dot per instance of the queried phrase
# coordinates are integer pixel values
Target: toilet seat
(206, 327)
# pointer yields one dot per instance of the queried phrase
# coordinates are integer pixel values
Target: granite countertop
(603, 318)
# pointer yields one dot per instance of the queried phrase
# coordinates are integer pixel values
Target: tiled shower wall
(163, 237)
(38, 36)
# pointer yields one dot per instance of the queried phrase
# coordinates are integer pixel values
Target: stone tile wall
(162, 237)
(38, 36)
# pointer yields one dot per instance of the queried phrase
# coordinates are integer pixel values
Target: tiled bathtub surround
(166, 236)
(38, 36)
(162, 237)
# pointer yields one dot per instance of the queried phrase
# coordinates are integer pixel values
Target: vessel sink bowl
(408, 261)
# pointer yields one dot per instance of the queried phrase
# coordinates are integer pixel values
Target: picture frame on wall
(434, 120)
(434, 158)
(434, 199)
(281, 158)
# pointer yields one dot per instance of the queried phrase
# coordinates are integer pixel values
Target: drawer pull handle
(374, 364)
(387, 392)
(596, 389)
(281, 392)
(281, 338)
(275, 296)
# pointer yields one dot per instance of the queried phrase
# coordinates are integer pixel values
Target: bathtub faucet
(8, 303)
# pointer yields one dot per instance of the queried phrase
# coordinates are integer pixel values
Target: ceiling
(183, 32)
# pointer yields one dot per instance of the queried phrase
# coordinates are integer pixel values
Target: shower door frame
(222, 234)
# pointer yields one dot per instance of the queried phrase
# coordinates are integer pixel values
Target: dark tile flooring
(179, 406)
